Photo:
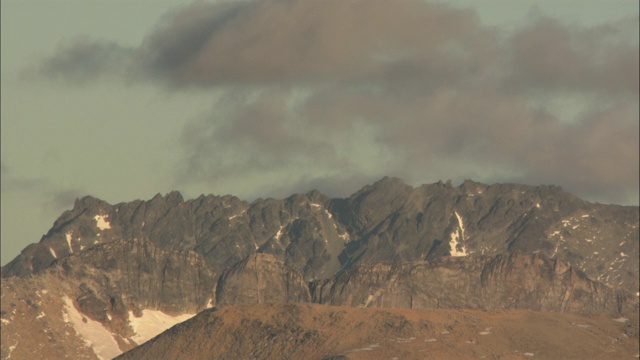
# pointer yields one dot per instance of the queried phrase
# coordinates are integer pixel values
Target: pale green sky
(120, 141)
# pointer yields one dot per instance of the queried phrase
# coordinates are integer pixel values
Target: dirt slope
(310, 331)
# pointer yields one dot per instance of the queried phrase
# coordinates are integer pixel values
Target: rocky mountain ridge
(385, 221)
(131, 270)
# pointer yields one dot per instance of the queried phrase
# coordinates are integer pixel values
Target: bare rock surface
(514, 281)
(386, 221)
(261, 279)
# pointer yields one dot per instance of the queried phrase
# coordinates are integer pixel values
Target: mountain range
(106, 278)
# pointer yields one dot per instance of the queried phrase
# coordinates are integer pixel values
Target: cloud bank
(331, 94)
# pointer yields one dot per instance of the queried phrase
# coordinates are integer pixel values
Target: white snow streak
(53, 253)
(236, 215)
(278, 235)
(457, 237)
(69, 238)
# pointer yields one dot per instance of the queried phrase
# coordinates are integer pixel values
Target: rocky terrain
(386, 221)
(513, 281)
(306, 331)
(106, 277)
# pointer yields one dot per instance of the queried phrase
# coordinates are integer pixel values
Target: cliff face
(141, 275)
(513, 281)
(261, 279)
(387, 221)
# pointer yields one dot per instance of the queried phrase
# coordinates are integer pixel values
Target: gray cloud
(55, 199)
(334, 92)
(84, 60)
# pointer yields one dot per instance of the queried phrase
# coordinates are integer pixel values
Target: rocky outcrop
(261, 279)
(140, 275)
(514, 281)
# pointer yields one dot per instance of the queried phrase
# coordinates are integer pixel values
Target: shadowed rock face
(513, 281)
(141, 275)
(261, 279)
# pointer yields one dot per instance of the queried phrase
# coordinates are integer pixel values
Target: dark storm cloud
(326, 90)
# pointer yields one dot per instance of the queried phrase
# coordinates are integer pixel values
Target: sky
(122, 100)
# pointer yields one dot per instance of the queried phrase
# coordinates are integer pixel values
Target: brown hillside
(310, 331)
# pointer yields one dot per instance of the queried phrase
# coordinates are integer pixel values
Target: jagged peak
(390, 181)
(171, 197)
(88, 201)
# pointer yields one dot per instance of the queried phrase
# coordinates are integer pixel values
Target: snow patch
(368, 348)
(92, 332)
(457, 237)
(101, 223)
(210, 303)
(316, 205)
(11, 348)
(69, 238)
(278, 235)
(5, 321)
(53, 253)
(621, 320)
(345, 237)
(40, 316)
(152, 323)
(236, 215)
